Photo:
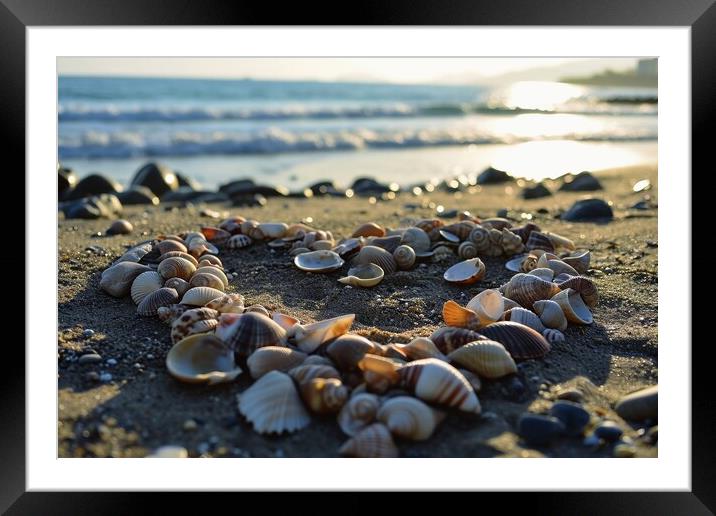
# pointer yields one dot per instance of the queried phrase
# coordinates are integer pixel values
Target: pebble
(203, 448)
(92, 376)
(639, 405)
(90, 358)
(87, 333)
(609, 431)
(540, 430)
(111, 361)
(574, 395)
(591, 441)
(589, 210)
(535, 192)
(624, 451)
(493, 176)
(120, 227)
(447, 214)
(582, 182)
(190, 425)
(158, 178)
(105, 377)
(641, 186)
(169, 452)
(573, 415)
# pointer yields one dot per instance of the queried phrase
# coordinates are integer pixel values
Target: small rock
(94, 184)
(535, 192)
(573, 415)
(589, 210)
(120, 227)
(111, 362)
(642, 186)
(105, 377)
(190, 425)
(92, 376)
(582, 182)
(609, 431)
(90, 358)
(158, 178)
(87, 333)
(539, 430)
(492, 176)
(169, 452)
(640, 405)
(448, 214)
(591, 441)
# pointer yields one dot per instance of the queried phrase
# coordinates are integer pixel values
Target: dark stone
(448, 214)
(249, 200)
(94, 184)
(237, 188)
(137, 195)
(238, 184)
(539, 430)
(323, 188)
(573, 415)
(185, 181)
(160, 179)
(589, 209)
(543, 211)
(492, 176)
(368, 186)
(502, 213)
(582, 182)
(95, 207)
(609, 431)
(535, 192)
(66, 181)
(185, 194)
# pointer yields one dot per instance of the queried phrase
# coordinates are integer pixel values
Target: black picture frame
(699, 15)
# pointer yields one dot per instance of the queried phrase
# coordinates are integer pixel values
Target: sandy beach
(142, 407)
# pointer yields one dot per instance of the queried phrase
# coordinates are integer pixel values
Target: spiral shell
(522, 342)
(573, 306)
(480, 236)
(206, 280)
(373, 441)
(160, 297)
(498, 223)
(579, 260)
(310, 336)
(199, 296)
(227, 304)
(378, 256)
(202, 359)
(461, 229)
(465, 272)
(422, 347)
(584, 286)
(178, 254)
(529, 263)
(358, 412)
(194, 321)
(249, 331)
(404, 257)
(369, 229)
(239, 241)
(551, 314)
(178, 284)
(307, 372)
(417, 239)
(511, 243)
(324, 395)
(448, 339)
(409, 418)
(145, 284)
(437, 382)
(273, 358)
(486, 358)
(215, 235)
(467, 250)
(176, 268)
(557, 266)
(166, 246)
(273, 405)
(346, 351)
(526, 289)
(538, 240)
(117, 279)
(524, 316)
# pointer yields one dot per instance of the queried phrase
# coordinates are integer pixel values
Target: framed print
(432, 242)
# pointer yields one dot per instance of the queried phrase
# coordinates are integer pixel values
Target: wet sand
(142, 407)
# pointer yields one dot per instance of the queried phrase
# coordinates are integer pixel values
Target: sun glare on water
(542, 95)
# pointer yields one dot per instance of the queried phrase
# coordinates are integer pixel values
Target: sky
(397, 70)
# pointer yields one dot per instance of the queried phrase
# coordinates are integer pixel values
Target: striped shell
(161, 297)
(551, 314)
(346, 351)
(166, 246)
(584, 286)
(538, 240)
(194, 321)
(461, 229)
(435, 381)
(378, 256)
(239, 241)
(409, 418)
(202, 359)
(210, 259)
(389, 243)
(259, 309)
(216, 271)
(324, 395)
(249, 331)
(373, 441)
(199, 296)
(310, 336)
(145, 284)
(417, 239)
(556, 265)
(521, 341)
(524, 316)
(487, 358)
(579, 260)
(448, 339)
(480, 236)
(178, 284)
(307, 372)
(573, 306)
(204, 279)
(273, 358)
(526, 289)
(358, 412)
(227, 304)
(553, 336)
(178, 254)
(467, 250)
(404, 257)
(176, 268)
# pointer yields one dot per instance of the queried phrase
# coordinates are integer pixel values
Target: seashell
(436, 381)
(366, 275)
(346, 351)
(466, 272)
(584, 286)
(422, 347)
(488, 305)
(283, 320)
(442, 253)
(169, 314)
(359, 411)
(324, 395)
(322, 245)
(160, 297)
(273, 405)
(553, 336)
(206, 280)
(318, 261)
(393, 351)
(472, 378)
(251, 228)
(511, 243)
(409, 418)
(232, 224)
(215, 235)
(524, 231)
(509, 303)
(373, 442)
(522, 342)
(145, 284)
(551, 314)
(448, 338)
(227, 304)
(179, 254)
(417, 239)
(558, 241)
(497, 223)
(193, 321)
(273, 229)
(307, 372)
(259, 309)
(450, 237)
(378, 256)
(486, 358)
(178, 284)
(573, 306)
(210, 259)
(166, 246)
(543, 273)
(460, 229)
(216, 271)
(239, 241)
(538, 240)
(318, 360)
(467, 250)
(389, 243)
(379, 373)
(369, 229)
(495, 248)
(273, 358)
(200, 248)
(299, 250)
(428, 225)
(557, 266)
(202, 359)
(529, 263)
(193, 237)
(135, 254)
(309, 337)
(246, 332)
(117, 279)
(298, 230)
(526, 289)
(480, 236)
(200, 296)
(348, 248)
(176, 268)
(404, 257)
(579, 260)
(524, 316)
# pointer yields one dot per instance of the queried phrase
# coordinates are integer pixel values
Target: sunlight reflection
(542, 95)
(536, 125)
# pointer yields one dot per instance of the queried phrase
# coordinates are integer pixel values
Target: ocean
(296, 133)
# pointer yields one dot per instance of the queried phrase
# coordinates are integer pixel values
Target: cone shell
(227, 304)
(487, 358)
(358, 412)
(461, 229)
(194, 321)
(324, 395)
(117, 279)
(176, 268)
(307, 372)
(422, 347)
(437, 382)
(178, 284)
(467, 250)
(409, 418)
(538, 240)
(526, 317)
(366, 275)
(466, 272)
(522, 342)
(202, 359)
(273, 358)
(239, 241)
(573, 306)
(346, 351)
(249, 331)
(417, 239)
(369, 229)
(161, 297)
(178, 254)
(551, 314)
(309, 337)
(205, 279)
(526, 289)
(579, 260)
(145, 284)
(584, 286)
(404, 257)
(166, 246)
(200, 296)
(273, 405)
(480, 236)
(378, 256)
(374, 442)
(448, 339)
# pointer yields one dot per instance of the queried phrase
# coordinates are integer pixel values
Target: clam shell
(216, 271)
(273, 358)
(538, 240)
(366, 275)
(273, 229)
(524, 316)
(378, 256)
(404, 257)
(202, 359)
(324, 395)
(145, 284)
(178, 254)
(373, 441)
(239, 241)
(409, 418)
(358, 412)
(448, 236)
(348, 248)
(551, 314)
(460, 317)
(246, 332)
(307, 372)
(318, 261)
(346, 351)
(160, 297)
(259, 309)
(176, 268)
(322, 245)
(309, 337)
(437, 382)
(526, 289)
(210, 259)
(273, 405)
(579, 260)
(467, 250)
(369, 229)
(389, 243)
(488, 305)
(584, 286)
(199, 296)
(215, 235)
(466, 272)
(522, 342)
(422, 347)
(417, 239)
(205, 279)
(117, 279)
(573, 306)
(509, 303)
(166, 246)
(480, 236)
(178, 284)
(487, 358)
(460, 229)
(227, 304)
(553, 336)
(191, 322)
(448, 339)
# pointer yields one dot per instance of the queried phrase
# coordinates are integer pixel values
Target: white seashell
(145, 284)
(205, 279)
(359, 411)
(227, 304)
(366, 275)
(273, 358)
(194, 321)
(309, 337)
(378, 256)
(422, 347)
(558, 241)
(202, 359)
(239, 241)
(117, 279)
(176, 267)
(542, 273)
(161, 297)
(199, 296)
(409, 418)
(374, 441)
(551, 314)
(557, 265)
(465, 273)
(283, 320)
(216, 271)
(487, 358)
(579, 260)
(524, 316)
(573, 306)
(488, 305)
(318, 261)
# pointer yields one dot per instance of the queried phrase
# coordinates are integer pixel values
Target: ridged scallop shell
(404, 257)
(522, 342)
(435, 381)
(389, 243)
(366, 275)
(249, 331)
(526, 289)
(307, 372)
(553, 336)
(214, 270)
(466, 272)
(524, 316)
(324, 395)
(191, 322)
(273, 405)
(579, 260)
(205, 279)
(378, 256)
(346, 351)
(538, 240)
(117, 279)
(480, 236)
(145, 284)
(409, 418)
(558, 241)
(227, 304)
(373, 441)
(573, 306)
(200, 296)
(202, 359)
(487, 358)
(369, 229)
(511, 243)
(176, 268)
(461, 229)
(551, 314)
(166, 246)
(273, 229)
(215, 235)
(417, 239)
(467, 250)
(210, 259)
(584, 286)
(310, 336)
(239, 241)
(318, 261)
(448, 339)
(422, 347)
(161, 297)
(359, 411)
(178, 254)
(259, 309)
(273, 358)
(497, 223)
(178, 284)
